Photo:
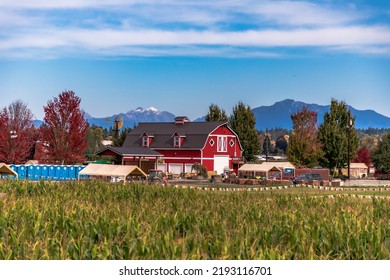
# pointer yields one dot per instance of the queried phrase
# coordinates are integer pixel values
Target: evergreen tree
(267, 148)
(243, 122)
(216, 114)
(381, 155)
(333, 134)
(281, 145)
(118, 142)
(94, 139)
(304, 147)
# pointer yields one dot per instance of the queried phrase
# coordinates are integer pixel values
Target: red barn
(183, 143)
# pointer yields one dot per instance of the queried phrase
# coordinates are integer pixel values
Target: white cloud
(214, 28)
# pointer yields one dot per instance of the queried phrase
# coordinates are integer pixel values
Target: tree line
(66, 138)
(61, 139)
(331, 144)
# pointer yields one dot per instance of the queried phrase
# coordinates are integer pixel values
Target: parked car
(307, 177)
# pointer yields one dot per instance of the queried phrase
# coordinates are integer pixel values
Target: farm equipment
(157, 177)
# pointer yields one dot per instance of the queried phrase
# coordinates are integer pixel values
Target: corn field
(98, 220)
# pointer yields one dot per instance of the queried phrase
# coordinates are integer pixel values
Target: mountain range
(277, 115)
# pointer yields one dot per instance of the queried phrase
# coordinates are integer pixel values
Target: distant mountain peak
(135, 116)
(143, 110)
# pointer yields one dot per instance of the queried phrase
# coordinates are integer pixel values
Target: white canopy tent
(258, 169)
(110, 170)
(5, 169)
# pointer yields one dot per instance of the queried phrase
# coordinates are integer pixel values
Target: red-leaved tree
(363, 156)
(16, 133)
(63, 134)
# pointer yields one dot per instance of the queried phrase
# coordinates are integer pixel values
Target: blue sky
(181, 56)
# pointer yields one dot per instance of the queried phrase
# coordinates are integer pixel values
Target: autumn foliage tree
(304, 148)
(63, 134)
(363, 155)
(16, 133)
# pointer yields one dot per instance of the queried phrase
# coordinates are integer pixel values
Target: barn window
(231, 143)
(211, 142)
(222, 144)
(145, 141)
(176, 141)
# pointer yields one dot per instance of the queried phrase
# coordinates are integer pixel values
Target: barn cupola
(181, 120)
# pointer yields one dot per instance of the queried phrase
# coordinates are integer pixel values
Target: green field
(97, 220)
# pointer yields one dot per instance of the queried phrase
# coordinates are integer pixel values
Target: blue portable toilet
(14, 168)
(44, 172)
(22, 171)
(52, 172)
(78, 169)
(64, 172)
(37, 172)
(57, 171)
(30, 172)
(72, 172)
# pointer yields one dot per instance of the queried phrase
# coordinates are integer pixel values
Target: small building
(253, 171)
(143, 157)
(286, 167)
(357, 170)
(183, 143)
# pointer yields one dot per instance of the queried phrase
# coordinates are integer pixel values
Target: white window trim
(222, 144)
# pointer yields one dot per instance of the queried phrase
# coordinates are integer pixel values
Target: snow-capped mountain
(133, 117)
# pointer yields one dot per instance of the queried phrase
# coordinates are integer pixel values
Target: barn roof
(131, 151)
(196, 134)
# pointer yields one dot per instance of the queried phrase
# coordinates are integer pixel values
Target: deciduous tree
(363, 155)
(94, 139)
(64, 130)
(243, 122)
(304, 148)
(216, 114)
(16, 133)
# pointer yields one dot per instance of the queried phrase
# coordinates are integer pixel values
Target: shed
(110, 170)
(283, 165)
(5, 169)
(357, 170)
(254, 170)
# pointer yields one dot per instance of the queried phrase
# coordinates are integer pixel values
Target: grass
(97, 220)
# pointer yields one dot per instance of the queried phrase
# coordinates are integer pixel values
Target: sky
(181, 56)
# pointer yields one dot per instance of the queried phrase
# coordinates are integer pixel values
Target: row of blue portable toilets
(48, 172)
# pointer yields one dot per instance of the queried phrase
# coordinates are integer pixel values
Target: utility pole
(266, 145)
(13, 135)
(349, 127)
